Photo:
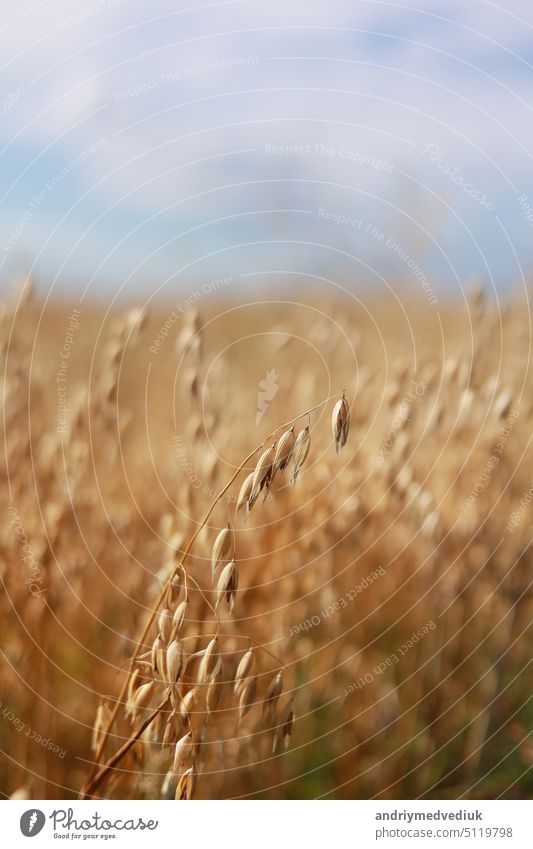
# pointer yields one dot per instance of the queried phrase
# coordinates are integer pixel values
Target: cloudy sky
(144, 145)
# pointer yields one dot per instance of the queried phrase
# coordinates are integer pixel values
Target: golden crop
(373, 616)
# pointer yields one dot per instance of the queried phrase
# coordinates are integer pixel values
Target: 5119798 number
(488, 832)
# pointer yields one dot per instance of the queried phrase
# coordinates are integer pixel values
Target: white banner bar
(269, 825)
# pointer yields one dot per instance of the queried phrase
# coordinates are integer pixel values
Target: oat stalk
(96, 776)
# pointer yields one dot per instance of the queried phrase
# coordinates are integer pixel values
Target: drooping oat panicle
(283, 453)
(223, 548)
(244, 494)
(244, 669)
(272, 695)
(193, 682)
(227, 585)
(340, 423)
(300, 452)
(261, 475)
(284, 729)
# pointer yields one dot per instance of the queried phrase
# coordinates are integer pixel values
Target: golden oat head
(223, 548)
(301, 450)
(340, 423)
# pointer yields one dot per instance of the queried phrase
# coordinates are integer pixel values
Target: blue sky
(146, 145)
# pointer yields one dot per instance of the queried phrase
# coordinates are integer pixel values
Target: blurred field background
(414, 498)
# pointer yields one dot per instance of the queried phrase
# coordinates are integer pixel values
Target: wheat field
(359, 633)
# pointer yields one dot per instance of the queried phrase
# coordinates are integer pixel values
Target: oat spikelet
(222, 549)
(179, 616)
(201, 745)
(247, 697)
(272, 695)
(133, 685)
(141, 697)
(169, 734)
(340, 423)
(284, 729)
(183, 753)
(262, 475)
(174, 661)
(227, 585)
(157, 655)
(245, 667)
(165, 623)
(186, 785)
(175, 698)
(173, 591)
(283, 453)
(301, 450)
(187, 705)
(167, 786)
(207, 664)
(252, 498)
(136, 320)
(214, 690)
(102, 719)
(244, 494)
